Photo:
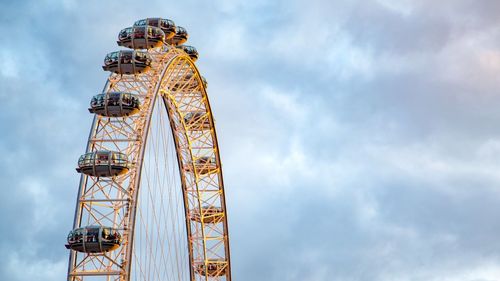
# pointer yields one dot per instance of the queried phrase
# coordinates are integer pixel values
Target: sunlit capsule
(103, 164)
(114, 104)
(127, 62)
(190, 51)
(212, 268)
(180, 37)
(94, 239)
(141, 37)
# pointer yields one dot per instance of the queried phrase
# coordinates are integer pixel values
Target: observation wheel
(151, 202)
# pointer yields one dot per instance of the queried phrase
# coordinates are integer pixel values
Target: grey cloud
(359, 142)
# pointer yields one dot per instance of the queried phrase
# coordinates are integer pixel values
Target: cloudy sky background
(360, 139)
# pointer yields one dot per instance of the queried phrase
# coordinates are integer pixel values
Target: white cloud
(403, 7)
(28, 267)
(9, 65)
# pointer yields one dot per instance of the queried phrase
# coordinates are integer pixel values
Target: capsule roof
(168, 26)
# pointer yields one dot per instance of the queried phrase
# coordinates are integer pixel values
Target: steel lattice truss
(112, 201)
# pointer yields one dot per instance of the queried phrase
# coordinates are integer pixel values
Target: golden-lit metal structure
(168, 92)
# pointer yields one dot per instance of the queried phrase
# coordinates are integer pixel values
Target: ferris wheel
(151, 202)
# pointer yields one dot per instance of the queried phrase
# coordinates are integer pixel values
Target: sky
(360, 139)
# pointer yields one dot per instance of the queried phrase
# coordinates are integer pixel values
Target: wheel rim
(175, 82)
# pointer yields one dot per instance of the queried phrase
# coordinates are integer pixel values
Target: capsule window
(140, 22)
(140, 57)
(81, 160)
(106, 233)
(153, 22)
(113, 99)
(126, 99)
(119, 158)
(111, 58)
(126, 57)
(85, 159)
(93, 102)
(108, 59)
(75, 235)
(92, 234)
(88, 159)
(122, 158)
(180, 30)
(102, 158)
(125, 33)
(139, 32)
(166, 23)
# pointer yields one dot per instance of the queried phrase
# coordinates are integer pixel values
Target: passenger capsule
(197, 121)
(190, 51)
(166, 25)
(194, 83)
(180, 37)
(141, 37)
(103, 164)
(94, 239)
(208, 214)
(114, 104)
(185, 83)
(203, 165)
(127, 62)
(213, 268)
(205, 83)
